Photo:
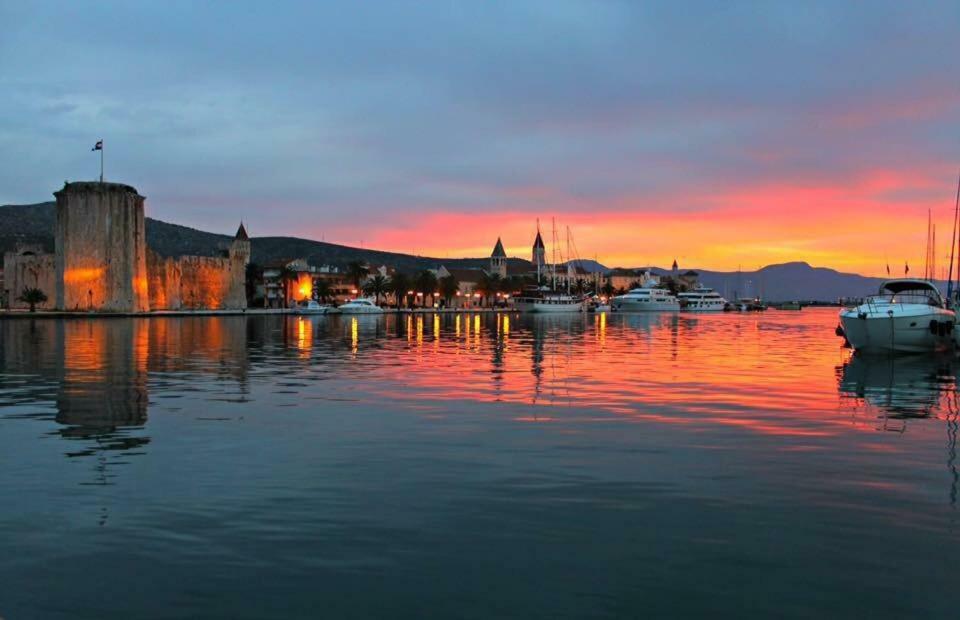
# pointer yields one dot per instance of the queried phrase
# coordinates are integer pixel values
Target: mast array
(951, 288)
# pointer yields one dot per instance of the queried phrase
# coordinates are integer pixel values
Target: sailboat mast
(553, 251)
(953, 244)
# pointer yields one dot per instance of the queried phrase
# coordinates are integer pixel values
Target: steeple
(498, 260)
(242, 233)
(539, 258)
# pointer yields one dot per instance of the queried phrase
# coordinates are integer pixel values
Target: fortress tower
(101, 248)
(498, 260)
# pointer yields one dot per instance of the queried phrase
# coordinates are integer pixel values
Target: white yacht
(907, 315)
(646, 299)
(702, 299)
(309, 306)
(360, 306)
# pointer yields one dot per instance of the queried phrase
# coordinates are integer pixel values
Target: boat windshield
(909, 292)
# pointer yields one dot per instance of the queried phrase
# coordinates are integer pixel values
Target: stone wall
(101, 248)
(196, 283)
(26, 268)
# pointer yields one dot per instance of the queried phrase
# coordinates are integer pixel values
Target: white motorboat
(907, 315)
(360, 306)
(702, 299)
(308, 306)
(646, 299)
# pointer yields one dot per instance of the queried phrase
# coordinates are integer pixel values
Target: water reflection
(899, 387)
(383, 453)
(749, 373)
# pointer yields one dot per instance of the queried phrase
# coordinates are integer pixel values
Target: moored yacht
(702, 299)
(542, 299)
(309, 306)
(360, 306)
(646, 299)
(906, 315)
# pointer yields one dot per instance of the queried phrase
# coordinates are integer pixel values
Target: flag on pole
(98, 146)
(888, 270)
(906, 268)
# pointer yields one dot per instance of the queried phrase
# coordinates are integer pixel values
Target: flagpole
(101, 162)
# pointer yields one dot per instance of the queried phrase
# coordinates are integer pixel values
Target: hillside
(787, 282)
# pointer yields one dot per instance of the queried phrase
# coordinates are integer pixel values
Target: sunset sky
(720, 134)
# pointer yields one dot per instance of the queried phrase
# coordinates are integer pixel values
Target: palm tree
(377, 285)
(580, 286)
(357, 272)
(32, 296)
(490, 284)
(448, 288)
(399, 285)
(288, 281)
(426, 284)
(607, 289)
(323, 290)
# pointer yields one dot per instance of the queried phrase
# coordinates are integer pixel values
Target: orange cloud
(856, 225)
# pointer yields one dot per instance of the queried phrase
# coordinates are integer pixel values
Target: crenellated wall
(196, 282)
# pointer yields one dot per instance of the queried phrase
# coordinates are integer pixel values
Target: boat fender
(934, 327)
(839, 330)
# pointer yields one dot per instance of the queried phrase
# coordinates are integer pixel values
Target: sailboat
(544, 298)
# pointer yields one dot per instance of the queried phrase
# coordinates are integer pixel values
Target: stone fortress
(101, 261)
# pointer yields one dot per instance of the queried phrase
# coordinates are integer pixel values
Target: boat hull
(898, 331)
(644, 306)
(543, 308)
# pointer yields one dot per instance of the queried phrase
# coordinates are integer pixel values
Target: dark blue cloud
(356, 111)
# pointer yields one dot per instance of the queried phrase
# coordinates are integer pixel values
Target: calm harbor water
(472, 466)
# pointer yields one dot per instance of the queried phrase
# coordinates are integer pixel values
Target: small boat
(360, 306)
(749, 304)
(906, 316)
(791, 305)
(647, 298)
(308, 306)
(702, 299)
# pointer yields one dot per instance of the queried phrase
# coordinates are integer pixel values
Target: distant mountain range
(789, 281)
